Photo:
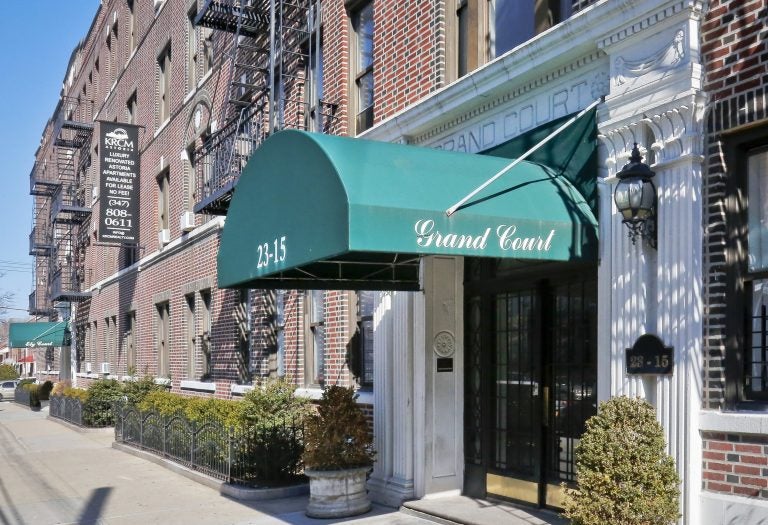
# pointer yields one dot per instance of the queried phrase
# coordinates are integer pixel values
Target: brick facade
(119, 60)
(736, 464)
(736, 62)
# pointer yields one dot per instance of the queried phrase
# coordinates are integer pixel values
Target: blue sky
(37, 39)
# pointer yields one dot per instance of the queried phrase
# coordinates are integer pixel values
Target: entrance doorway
(531, 376)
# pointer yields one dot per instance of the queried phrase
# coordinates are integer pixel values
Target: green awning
(315, 211)
(22, 335)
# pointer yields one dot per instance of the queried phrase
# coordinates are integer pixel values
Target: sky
(37, 39)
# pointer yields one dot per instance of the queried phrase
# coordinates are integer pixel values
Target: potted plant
(338, 454)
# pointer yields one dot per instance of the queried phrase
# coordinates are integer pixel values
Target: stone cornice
(568, 47)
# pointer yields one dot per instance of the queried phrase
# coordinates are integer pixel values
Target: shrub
(623, 471)
(337, 435)
(8, 372)
(58, 388)
(135, 391)
(163, 402)
(34, 394)
(273, 403)
(75, 393)
(45, 390)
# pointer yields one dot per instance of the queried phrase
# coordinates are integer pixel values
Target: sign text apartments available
(119, 188)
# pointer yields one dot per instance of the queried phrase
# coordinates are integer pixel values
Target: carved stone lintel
(670, 132)
(668, 57)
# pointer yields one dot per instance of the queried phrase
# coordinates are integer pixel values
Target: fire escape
(42, 186)
(269, 54)
(71, 201)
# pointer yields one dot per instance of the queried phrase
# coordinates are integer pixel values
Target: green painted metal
(21, 335)
(322, 211)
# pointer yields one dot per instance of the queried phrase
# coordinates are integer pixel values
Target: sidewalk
(50, 474)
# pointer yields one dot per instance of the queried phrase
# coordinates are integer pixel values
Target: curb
(238, 492)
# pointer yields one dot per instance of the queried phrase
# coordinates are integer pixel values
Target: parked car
(7, 388)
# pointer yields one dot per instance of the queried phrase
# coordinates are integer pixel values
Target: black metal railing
(267, 454)
(91, 414)
(21, 395)
(221, 159)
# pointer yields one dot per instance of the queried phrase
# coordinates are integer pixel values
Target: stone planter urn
(337, 493)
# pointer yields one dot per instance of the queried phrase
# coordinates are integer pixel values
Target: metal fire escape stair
(270, 49)
(71, 205)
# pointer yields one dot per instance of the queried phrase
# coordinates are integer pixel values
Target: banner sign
(119, 189)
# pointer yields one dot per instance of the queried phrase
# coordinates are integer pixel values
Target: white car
(7, 389)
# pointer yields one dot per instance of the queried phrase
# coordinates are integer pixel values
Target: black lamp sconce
(635, 198)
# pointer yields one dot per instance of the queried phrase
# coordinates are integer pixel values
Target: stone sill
(201, 386)
(742, 422)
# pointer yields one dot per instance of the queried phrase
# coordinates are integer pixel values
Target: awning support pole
(450, 211)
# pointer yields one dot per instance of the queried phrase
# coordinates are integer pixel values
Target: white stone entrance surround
(643, 57)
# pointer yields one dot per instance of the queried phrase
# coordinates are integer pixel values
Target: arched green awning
(329, 212)
(21, 335)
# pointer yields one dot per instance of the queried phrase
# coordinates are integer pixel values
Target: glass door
(530, 385)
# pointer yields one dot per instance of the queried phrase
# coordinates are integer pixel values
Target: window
(131, 27)
(205, 335)
(131, 107)
(110, 325)
(313, 71)
(129, 342)
(756, 277)
(512, 22)
(364, 372)
(462, 17)
(280, 331)
(314, 341)
(192, 49)
(362, 25)
(242, 319)
(163, 331)
(164, 86)
(189, 326)
(207, 38)
(190, 181)
(746, 338)
(485, 29)
(163, 198)
(94, 346)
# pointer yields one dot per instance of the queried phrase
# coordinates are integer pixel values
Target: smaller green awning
(25, 335)
(314, 211)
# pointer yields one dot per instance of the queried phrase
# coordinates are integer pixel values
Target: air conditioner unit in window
(187, 221)
(87, 368)
(105, 368)
(164, 236)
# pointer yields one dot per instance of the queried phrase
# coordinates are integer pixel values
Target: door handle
(545, 407)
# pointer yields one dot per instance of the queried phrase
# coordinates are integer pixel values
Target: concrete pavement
(52, 474)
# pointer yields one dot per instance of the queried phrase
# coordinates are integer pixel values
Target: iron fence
(92, 414)
(21, 395)
(265, 454)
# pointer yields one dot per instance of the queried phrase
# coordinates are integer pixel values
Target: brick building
(492, 330)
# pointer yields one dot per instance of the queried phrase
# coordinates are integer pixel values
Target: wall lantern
(635, 197)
